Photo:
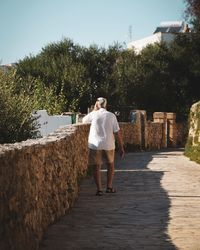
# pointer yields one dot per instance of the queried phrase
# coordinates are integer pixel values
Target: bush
(193, 152)
(16, 122)
(192, 148)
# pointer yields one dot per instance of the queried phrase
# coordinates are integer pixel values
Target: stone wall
(182, 134)
(131, 133)
(192, 149)
(154, 135)
(38, 184)
(162, 132)
(173, 134)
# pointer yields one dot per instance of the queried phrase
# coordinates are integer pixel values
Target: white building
(166, 32)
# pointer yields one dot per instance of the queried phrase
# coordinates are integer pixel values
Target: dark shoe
(111, 190)
(99, 193)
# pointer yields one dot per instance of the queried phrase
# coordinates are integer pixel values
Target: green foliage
(186, 71)
(60, 73)
(67, 77)
(46, 98)
(193, 13)
(16, 123)
(192, 148)
(100, 65)
(154, 79)
(193, 152)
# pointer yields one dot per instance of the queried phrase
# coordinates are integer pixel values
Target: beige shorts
(98, 157)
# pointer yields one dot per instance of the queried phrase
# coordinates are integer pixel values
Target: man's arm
(88, 117)
(120, 142)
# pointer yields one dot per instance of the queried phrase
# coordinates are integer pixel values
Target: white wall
(139, 45)
(49, 124)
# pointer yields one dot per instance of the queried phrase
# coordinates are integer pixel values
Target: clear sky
(29, 25)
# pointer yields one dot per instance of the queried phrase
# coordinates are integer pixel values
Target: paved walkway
(157, 207)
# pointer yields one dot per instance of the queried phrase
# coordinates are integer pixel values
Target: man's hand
(96, 106)
(122, 152)
(120, 143)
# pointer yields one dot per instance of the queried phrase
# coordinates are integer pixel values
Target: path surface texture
(157, 207)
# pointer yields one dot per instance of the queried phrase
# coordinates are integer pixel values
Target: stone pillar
(79, 117)
(172, 130)
(143, 119)
(139, 117)
(161, 117)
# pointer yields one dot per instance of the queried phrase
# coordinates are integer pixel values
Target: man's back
(103, 125)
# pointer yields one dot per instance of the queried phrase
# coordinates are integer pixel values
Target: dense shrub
(192, 148)
(16, 122)
(193, 152)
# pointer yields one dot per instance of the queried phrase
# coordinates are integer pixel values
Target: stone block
(159, 115)
(171, 116)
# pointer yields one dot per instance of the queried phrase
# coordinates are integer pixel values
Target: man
(101, 143)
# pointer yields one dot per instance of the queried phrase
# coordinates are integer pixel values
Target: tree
(65, 76)
(185, 70)
(59, 68)
(193, 13)
(152, 79)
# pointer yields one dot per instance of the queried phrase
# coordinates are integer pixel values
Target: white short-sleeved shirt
(103, 125)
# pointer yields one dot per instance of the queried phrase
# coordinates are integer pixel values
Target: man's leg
(95, 159)
(97, 177)
(110, 156)
(110, 174)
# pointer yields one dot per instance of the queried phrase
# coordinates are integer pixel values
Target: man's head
(102, 102)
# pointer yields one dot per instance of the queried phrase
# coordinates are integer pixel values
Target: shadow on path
(136, 217)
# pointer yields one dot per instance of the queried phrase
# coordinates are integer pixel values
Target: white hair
(102, 102)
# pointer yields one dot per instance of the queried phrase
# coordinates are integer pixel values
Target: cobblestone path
(156, 207)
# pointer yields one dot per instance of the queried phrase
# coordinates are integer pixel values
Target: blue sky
(29, 25)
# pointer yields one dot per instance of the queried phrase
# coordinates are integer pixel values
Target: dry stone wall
(38, 184)
(154, 135)
(182, 134)
(131, 133)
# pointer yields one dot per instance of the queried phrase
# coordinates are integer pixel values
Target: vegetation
(192, 149)
(193, 13)
(16, 123)
(193, 152)
(161, 78)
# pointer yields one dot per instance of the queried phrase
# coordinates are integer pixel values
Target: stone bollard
(161, 117)
(172, 130)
